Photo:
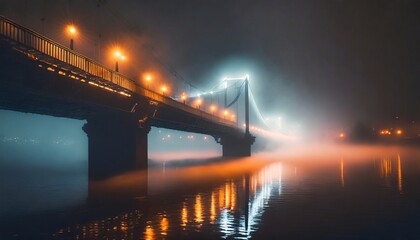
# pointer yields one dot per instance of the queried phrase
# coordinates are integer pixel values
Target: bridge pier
(116, 144)
(234, 146)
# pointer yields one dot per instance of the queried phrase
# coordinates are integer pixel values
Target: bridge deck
(60, 59)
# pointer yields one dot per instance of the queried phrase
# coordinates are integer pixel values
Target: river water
(309, 192)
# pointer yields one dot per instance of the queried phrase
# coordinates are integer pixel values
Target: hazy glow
(71, 29)
(118, 55)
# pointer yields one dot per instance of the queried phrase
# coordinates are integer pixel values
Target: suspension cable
(256, 109)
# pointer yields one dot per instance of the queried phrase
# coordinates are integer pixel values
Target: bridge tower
(239, 146)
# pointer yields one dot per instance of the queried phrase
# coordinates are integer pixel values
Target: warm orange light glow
(385, 132)
(399, 132)
(212, 208)
(149, 233)
(119, 55)
(198, 209)
(399, 174)
(199, 101)
(183, 97)
(225, 112)
(164, 225)
(184, 216)
(227, 196)
(212, 108)
(164, 89)
(71, 29)
(342, 172)
(148, 78)
(386, 167)
(341, 135)
(233, 196)
(221, 198)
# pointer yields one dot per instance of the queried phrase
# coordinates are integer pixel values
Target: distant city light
(385, 132)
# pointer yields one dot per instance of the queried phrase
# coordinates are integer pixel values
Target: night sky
(317, 63)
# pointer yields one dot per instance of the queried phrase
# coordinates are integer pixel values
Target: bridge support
(116, 145)
(234, 146)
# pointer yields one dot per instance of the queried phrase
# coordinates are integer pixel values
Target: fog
(324, 65)
(320, 66)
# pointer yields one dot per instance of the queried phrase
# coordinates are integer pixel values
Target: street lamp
(225, 113)
(198, 103)
(118, 56)
(212, 108)
(72, 31)
(183, 97)
(164, 89)
(148, 79)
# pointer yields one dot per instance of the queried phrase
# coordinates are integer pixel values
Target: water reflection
(342, 172)
(198, 210)
(232, 208)
(386, 167)
(243, 205)
(391, 170)
(399, 174)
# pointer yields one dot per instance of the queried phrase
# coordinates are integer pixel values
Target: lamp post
(148, 80)
(118, 56)
(164, 89)
(183, 98)
(72, 31)
(212, 108)
(198, 103)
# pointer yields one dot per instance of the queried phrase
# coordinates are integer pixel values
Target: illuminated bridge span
(41, 76)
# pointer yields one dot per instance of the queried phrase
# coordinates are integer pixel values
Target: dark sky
(320, 63)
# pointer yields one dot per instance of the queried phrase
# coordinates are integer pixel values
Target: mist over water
(310, 189)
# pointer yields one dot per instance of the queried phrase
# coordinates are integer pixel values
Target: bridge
(39, 75)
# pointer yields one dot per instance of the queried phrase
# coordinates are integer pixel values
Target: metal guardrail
(46, 46)
(35, 41)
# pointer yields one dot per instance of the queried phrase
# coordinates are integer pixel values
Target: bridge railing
(34, 41)
(173, 103)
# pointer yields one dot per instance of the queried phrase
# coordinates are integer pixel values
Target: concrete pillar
(116, 145)
(234, 146)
